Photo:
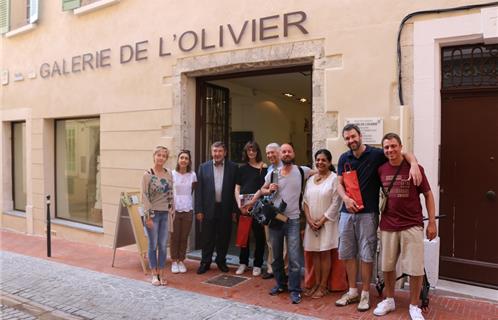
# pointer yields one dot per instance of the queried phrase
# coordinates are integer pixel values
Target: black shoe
(223, 267)
(267, 275)
(203, 268)
(277, 290)
(295, 297)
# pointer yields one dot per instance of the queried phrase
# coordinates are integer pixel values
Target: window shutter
(33, 11)
(70, 4)
(4, 16)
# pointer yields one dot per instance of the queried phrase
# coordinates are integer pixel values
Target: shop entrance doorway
(266, 106)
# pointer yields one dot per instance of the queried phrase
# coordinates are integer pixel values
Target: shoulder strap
(386, 192)
(151, 171)
(302, 187)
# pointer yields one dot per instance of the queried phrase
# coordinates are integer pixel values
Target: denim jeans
(158, 237)
(290, 230)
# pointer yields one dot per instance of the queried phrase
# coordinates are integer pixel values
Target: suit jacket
(205, 197)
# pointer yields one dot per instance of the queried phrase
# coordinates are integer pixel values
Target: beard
(287, 161)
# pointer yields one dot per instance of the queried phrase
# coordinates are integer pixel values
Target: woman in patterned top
(158, 202)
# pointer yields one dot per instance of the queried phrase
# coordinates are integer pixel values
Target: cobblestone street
(33, 288)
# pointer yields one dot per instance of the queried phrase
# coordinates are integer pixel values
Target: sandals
(155, 281)
(320, 293)
(163, 281)
(309, 292)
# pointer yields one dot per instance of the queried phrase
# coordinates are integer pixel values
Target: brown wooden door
(469, 183)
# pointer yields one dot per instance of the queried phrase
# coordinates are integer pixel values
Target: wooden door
(468, 187)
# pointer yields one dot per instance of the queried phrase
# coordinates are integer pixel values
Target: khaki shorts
(408, 246)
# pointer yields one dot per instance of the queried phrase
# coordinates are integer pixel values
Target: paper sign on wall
(371, 129)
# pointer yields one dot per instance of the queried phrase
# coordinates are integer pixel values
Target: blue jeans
(290, 230)
(158, 237)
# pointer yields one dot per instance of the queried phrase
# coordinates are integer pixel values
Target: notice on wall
(371, 129)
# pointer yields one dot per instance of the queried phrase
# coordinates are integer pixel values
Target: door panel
(469, 170)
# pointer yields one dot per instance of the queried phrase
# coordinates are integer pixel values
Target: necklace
(320, 177)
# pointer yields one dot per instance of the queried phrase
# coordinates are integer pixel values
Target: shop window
(19, 165)
(17, 16)
(77, 170)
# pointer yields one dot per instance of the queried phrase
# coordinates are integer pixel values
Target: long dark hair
(254, 146)
(327, 155)
(189, 166)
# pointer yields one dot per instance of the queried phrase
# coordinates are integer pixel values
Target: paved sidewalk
(78, 293)
(254, 291)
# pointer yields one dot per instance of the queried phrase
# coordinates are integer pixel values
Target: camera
(266, 213)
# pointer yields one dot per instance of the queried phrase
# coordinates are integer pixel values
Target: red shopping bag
(243, 229)
(352, 185)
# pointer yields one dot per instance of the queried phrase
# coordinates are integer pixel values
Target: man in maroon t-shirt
(401, 226)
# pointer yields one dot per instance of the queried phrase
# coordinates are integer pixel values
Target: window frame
(13, 165)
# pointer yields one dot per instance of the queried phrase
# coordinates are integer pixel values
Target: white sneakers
(174, 267)
(256, 271)
(364, 304)
(416, 313)
(242, 268)
(178, 267)
(387, 305)
(181, 267)
(384, 307)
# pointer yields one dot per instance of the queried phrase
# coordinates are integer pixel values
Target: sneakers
(295, 297)
(256, 271)
(181, 267)
(155, 280)
(174, 267)
(364, 304)
(384, 307)
(242, 268)
(416, 313)
(277, 290)
(346, 299)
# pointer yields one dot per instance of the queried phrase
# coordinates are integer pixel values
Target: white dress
(322, 199)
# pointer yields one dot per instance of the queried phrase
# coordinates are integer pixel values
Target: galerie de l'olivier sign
(260, 29)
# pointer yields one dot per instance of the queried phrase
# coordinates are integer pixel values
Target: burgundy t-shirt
(403, 209)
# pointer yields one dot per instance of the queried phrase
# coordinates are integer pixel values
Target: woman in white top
(321, 204)
(184, 181)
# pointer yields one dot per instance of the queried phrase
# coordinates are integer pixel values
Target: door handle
(491, 195)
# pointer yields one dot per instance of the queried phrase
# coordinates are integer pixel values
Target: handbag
(384, 194)
(352, 185)
(243, 229)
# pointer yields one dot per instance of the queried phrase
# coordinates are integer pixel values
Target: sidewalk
(253, 292)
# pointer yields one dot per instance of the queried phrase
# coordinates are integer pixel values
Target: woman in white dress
(321, 204)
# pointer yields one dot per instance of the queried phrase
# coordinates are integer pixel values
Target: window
(80, 7)
(19, 165)
(77, 170)
(17, 15)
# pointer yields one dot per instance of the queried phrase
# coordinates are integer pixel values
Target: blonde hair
(159, 148)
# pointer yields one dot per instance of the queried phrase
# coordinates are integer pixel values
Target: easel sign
(129, 226)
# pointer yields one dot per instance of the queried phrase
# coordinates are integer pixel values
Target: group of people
(322, 216)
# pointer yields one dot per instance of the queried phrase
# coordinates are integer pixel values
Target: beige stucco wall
(145, 103)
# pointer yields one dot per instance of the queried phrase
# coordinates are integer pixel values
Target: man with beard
(358, 225)
(288, 188)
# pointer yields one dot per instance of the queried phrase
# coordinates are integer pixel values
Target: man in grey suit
(215, 205)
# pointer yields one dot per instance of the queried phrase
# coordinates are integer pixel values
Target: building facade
(88, 88)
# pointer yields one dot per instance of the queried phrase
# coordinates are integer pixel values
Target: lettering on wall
(254, 30)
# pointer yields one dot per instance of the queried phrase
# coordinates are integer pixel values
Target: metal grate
(226, 280)
(470, 66)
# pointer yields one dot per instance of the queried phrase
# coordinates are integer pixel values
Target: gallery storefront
(88, 88)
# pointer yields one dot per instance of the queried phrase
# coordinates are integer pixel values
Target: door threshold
(466, 290)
